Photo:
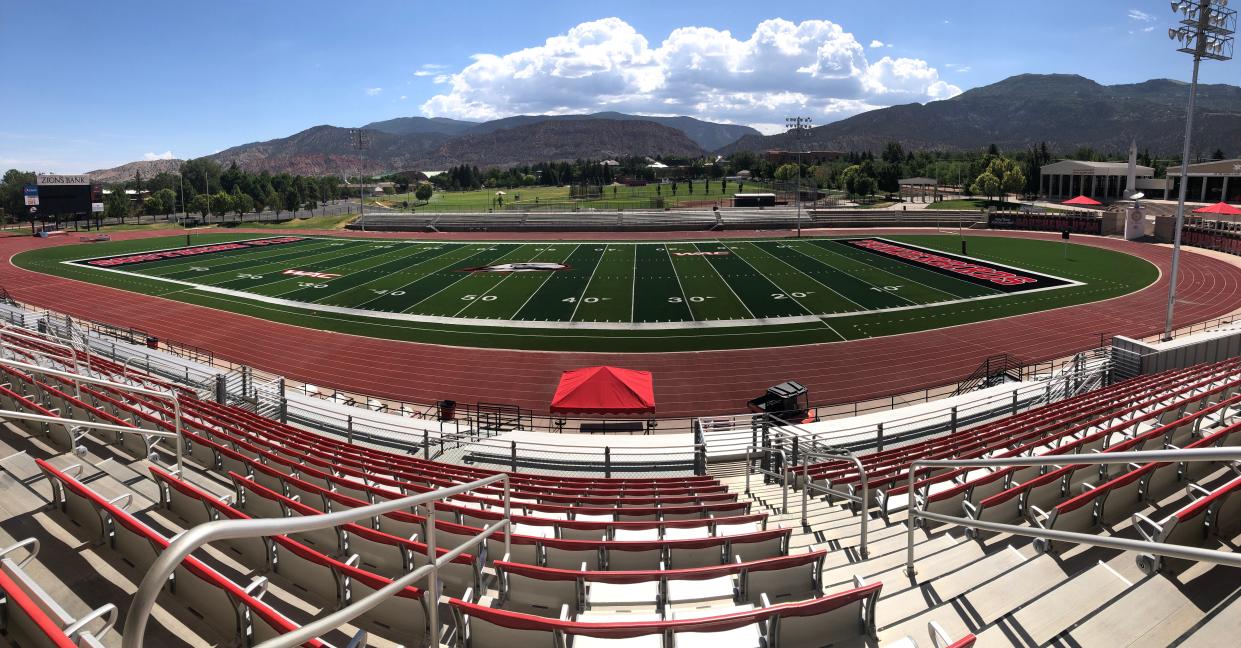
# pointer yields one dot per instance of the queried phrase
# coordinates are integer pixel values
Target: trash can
(152, 342)
(447, 410)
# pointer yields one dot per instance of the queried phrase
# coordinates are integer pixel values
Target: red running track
(687, 383)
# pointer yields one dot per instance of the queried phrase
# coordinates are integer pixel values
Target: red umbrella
(1083, 201)
(1219, 208)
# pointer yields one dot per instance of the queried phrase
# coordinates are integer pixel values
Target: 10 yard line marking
(905, 278)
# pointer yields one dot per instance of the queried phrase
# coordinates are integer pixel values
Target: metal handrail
(1123, 544)
(188, 542)
(864, 500)
(172, 395)
(784, 461)
(7, 329)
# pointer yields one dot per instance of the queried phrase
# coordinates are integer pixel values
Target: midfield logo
(524, 266)
(310, 273)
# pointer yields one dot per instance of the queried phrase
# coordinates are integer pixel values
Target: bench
(604, 427)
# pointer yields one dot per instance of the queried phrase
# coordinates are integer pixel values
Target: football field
(819, 289)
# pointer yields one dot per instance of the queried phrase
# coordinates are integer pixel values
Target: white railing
(171, 395)
(1123, 544)
(186, 543)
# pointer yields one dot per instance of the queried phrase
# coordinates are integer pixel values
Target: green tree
(151, 206)
(200, 205)
(986, 184)
(116, 204)
(423, 192)
(167, 199)
(274, 202)
(786, 172)
(221, 204)
(12, 186)
(242, 203)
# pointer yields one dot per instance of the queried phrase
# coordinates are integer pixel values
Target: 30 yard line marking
(684, 298)
(633, 291)
(730, 286)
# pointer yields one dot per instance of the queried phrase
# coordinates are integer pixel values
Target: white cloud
(876, 44)
(429, 69)
(442, 78)
(371, 92)
(403, 97)
(958, 67)
(813, 67)
(1140, 16)
(166, 155)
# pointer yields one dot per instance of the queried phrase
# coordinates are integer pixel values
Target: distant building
(609, 163)
(1098, 180)
(754, 200)
(1210, 182)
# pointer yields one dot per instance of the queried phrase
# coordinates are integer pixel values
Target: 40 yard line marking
(546, 279)
(585, 289)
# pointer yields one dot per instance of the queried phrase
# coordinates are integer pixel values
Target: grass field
(612, 197)
(622, 296)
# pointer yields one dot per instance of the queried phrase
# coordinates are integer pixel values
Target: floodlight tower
(1205, 31)
(360, 141)
(798, 127)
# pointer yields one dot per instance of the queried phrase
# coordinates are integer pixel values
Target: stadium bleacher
(635, 561)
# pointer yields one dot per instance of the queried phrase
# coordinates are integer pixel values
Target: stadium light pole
(360, 141)
(1205, 31)
(797, 127)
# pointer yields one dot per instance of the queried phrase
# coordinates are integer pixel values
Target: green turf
(686, 283)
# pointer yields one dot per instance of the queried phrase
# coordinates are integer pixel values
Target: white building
(1099, 180)
(1209, 182)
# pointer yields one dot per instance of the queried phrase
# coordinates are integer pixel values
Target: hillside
(329, 150)
(707, 135)
(1066, 111)
(418, 125)
(148, 168)
(552, 140)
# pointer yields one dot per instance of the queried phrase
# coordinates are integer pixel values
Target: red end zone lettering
(190, 251)
(993, 275)
(687, 254)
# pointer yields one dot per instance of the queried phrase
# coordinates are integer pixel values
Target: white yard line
(725, 281)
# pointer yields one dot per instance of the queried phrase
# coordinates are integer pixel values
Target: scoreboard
(64, 194)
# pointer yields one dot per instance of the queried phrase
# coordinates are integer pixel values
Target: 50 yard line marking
(465, 275)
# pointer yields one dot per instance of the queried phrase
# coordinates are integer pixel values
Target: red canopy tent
(604, 390)
(1082, 201)
(1219, 208)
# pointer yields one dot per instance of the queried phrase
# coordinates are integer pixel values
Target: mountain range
(1066, 111)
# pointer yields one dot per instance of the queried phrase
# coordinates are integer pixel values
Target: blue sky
(96, 84)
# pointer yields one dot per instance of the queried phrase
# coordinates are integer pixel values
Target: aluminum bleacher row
(661, 561)
(634, 526)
